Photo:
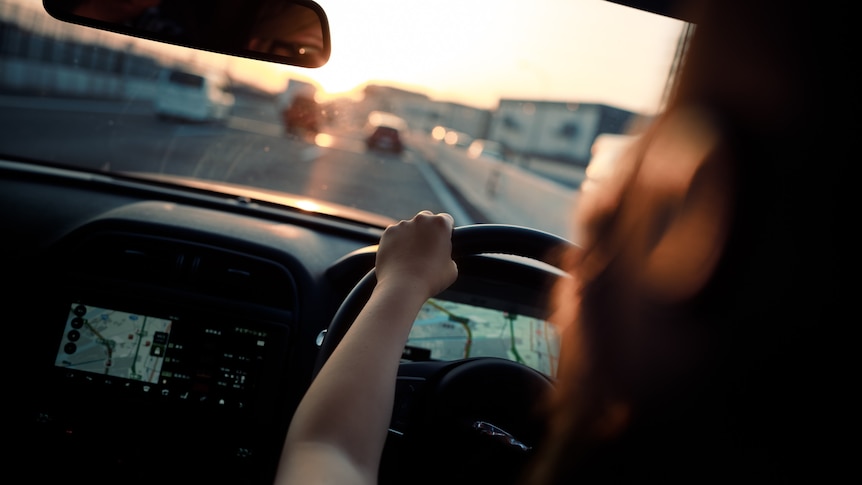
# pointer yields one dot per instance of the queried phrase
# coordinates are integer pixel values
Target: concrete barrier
(504, 192)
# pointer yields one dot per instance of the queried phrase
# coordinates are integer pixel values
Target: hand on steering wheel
(482, 409)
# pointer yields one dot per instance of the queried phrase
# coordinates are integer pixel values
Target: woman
(694, 305)
(691, 340)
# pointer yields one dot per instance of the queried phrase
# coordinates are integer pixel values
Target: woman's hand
(339, 429)
(418, 254)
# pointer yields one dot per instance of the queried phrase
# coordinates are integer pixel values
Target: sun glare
(324, 140)
(308, 205)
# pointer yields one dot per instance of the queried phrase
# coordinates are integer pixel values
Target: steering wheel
(473, 420)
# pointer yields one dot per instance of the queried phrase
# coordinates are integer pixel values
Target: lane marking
(441, 190)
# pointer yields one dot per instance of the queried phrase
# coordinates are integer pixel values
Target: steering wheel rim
(453, 405)
(466, 241)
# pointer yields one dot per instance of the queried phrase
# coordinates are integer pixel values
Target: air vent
(131, 258)
(184, 265)
(239, 276)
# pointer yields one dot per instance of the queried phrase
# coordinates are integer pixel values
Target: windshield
(539, 80)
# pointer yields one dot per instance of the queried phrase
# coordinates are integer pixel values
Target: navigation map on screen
(447, 330)
(113, 343)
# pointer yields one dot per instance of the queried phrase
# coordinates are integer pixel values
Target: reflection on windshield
(446, 330)
(77, 96)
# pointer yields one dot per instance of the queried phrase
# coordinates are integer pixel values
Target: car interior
(172, 295)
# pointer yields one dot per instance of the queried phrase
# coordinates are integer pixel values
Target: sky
(476, 52)
(580, 50)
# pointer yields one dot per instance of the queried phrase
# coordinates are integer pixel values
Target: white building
(555, 130)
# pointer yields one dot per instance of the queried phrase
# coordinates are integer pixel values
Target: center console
(154, 378)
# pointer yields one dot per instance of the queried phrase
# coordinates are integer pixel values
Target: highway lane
(120, 137)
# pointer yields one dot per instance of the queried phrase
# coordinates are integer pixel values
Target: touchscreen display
(206, 358)
(114, 343)
(449, 330)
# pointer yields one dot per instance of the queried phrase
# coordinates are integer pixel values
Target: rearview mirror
(294, 32)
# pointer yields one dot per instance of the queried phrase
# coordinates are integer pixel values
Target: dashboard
(167, 335)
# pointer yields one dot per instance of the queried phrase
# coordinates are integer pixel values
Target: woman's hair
(686, 348)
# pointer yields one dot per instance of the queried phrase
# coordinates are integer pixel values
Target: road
(247, 149)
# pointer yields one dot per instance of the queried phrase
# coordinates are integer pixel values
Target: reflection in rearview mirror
(294, 32)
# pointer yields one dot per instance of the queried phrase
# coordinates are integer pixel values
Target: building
(555, 130)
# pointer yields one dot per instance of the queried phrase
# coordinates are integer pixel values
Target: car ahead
(171, 289)
(385, 132)
(184, 94)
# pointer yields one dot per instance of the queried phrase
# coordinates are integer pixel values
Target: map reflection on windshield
(447, 330)
(114, 343)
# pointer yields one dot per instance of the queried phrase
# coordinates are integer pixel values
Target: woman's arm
(339, 429)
